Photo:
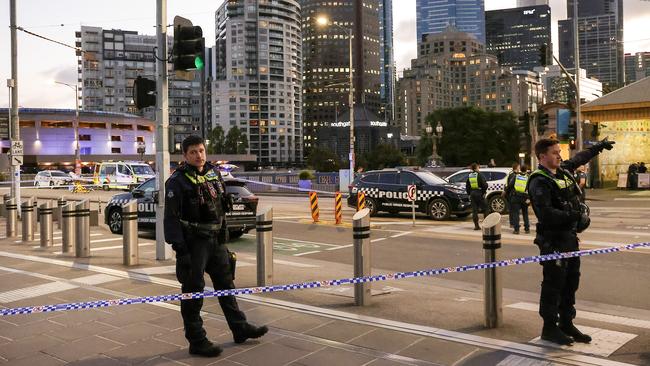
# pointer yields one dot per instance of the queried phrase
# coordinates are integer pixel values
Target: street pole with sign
(412, 194)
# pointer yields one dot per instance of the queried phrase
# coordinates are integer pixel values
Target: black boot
(570, 330)
(552, 333)
(249, 331)
(205, 348)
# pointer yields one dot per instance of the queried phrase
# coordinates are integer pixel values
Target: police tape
(307, 190)
(315, 284)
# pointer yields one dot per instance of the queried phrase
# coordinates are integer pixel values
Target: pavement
(307, 327)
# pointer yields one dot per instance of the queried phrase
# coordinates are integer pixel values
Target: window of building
(84, 138)
(116, 138)
(116, 150)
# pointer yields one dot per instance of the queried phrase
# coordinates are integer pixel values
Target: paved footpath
(152, 334)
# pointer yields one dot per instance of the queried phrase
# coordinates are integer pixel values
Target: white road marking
(603, 343)
(340, 247)
(514, 360)
(306, 253)
(378, 239)
(605, 318)
(402, 234)
(118, 247)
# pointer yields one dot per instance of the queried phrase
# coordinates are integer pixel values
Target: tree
(423, 150)
(382, 156)
(217, 141)
(236, 142)
(322, 159)
(472, 135)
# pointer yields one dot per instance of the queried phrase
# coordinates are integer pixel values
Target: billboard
(563, 121)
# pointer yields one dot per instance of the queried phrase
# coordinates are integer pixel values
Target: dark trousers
(517, 205)
(208, 256)
(559, 286)
(478, 202)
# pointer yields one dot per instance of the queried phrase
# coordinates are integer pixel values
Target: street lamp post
(77, 151)
(533, 134)
(324, 21)
(435, 158)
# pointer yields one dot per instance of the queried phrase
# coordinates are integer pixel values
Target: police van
(121, 174)
(239, 221)
(497, 179)
(386, 190)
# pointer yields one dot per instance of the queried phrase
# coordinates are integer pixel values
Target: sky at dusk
(41, 62)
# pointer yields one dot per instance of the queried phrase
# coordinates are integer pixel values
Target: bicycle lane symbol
(293, 248)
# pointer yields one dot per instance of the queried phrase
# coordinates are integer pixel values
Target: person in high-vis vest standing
(195, 208)
(516, 191)
(476, 186)
(554, 195)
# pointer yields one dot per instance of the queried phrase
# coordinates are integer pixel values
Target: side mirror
(137, 193)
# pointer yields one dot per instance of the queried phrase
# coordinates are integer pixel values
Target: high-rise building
(111, 61)
(453, 70)
(515, 36)
(637, 66)
(387, 55)
(433, 16)
(258, 77)
(326, 62)
(559, 88)
(600, 29)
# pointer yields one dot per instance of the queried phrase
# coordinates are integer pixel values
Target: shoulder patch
(170, 194)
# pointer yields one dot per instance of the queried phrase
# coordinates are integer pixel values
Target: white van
(121, 174)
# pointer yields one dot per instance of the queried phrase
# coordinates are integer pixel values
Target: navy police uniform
(518, 197)
(476, 186)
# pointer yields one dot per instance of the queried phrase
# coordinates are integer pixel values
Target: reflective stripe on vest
(520, 183)
(209, 176)
(473, 180)
(561, 183)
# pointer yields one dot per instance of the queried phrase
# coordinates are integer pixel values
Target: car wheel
(372, 206)
(115, 221)
(51, 185)
(496, 203)
(235, 234)
(439, 209)
(106, 187)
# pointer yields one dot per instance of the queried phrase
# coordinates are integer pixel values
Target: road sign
(16, 147)
(16, 160)
(412, 192)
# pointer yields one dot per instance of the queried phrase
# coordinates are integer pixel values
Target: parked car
(497, 178)
(386, 190)
(239, 221)
(121, 174)
(52, 178)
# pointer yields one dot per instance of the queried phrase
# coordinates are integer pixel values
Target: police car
(497, 179)
(386, 190)
(239, 221)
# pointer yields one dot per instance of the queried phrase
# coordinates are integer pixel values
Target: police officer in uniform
(581, 178)
(507, 195)
(195, 208)
(554, 195)
(516, 191)
(476, 186)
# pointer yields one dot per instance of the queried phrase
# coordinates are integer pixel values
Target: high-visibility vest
(520, 183)
(561, 183)
(473, 180)
(198, 179)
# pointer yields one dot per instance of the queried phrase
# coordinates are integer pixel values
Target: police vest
(561, 183)
(520, 183)
(199, 179)
(473, 180)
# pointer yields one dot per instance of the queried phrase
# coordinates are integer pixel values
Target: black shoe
(205, 348)
(553, 334)
(249, 331)
(570, 330)
(516, 232)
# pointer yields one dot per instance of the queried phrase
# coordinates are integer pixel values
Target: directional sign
(16, 147)
(16, 160)
(412, 192)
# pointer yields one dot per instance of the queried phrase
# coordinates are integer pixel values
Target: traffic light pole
(163, 251)
(14, 123)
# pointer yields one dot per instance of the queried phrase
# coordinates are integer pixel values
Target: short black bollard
(492, 291)
(82, 226)
(264, 225)
(60, 203)
(68, 231)
(130, 253)
(28, 218)
(12, 217)
(45, 214)
(361, 236)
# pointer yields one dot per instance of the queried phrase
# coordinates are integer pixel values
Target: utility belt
(204, 227)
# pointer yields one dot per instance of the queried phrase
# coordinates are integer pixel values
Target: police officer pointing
(476, 186)
(554, 195)
(195, 207)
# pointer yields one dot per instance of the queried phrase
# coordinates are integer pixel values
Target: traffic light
(572, 131)
(572, 144)
(171, 139)
(543, 54)
(542, 123)
(524, 131)
(144, 92)
(189, 48)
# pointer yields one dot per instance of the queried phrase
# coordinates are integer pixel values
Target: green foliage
(382, 156)
(323, 159)
(236, 142)
(217, 141)
(423, 150)
(305, 175)
(474, 135)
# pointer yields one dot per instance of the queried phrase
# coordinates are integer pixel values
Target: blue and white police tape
(315, 284)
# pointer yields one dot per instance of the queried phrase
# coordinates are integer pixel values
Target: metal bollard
(60, 203)
(82, 230)
(264, 226)
(492, 291)
(68, 232)
(35, 215)
(28, 218)
(130, 233)
(12, 217)
(45, 212)
(361, 235)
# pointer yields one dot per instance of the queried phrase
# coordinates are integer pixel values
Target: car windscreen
(142, 170)
(60, 174)
(430, 178)
(238, 190)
